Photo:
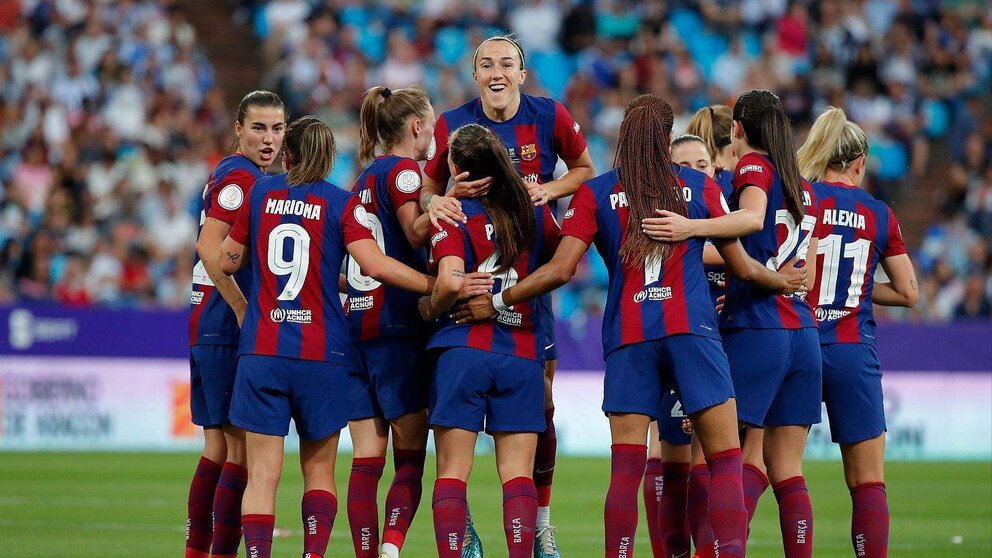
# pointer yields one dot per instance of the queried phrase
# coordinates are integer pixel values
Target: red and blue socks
(519, 516)
(227, 511)
(199, 508)
(363, 510)
(698, 510)
(319, 508)
(728, 516)
(258, 534)
(870, 520)
(755, 483)
(450, 516)
(620, 513)
(672, 509)
(795, 515)
(652, 490)
(403, 497)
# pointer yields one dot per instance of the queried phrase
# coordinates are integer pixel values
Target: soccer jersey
(540, 132)
(211, 320)
(856, 232)
(781, 238)
(296, 237)
(511, 332)
(648, 299)
(716, 274)
(377, 310)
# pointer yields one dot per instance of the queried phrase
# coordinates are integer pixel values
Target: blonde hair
(713, 125)
(383, 117)
(309, 144)
(833, 142)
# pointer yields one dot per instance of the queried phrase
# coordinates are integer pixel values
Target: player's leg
(320, 504)
(755, 473)
(403, 499)
(369, 437)
(199, 504)
(265, 453)
(544, 462)
(852, 392)
(628, 459)
(697, 499)
(652, 490)
(675, 431)
(228, 496)
(864, 473)
(515, 463)
(455, 449)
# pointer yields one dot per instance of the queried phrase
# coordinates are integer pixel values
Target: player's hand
(425, 309)
(795, 277)
(465, 188)
(538, 193)
(447, 209)
(667, 227)
(475, 284)
(475, 309)
(720, 300)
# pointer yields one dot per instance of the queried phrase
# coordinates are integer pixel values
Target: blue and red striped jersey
(377, 310)
(648, 299)
(856, 232)
(297, 238)
(511, 332)
(211, 320)
(781, 238)
(715, 274)
(540, 133)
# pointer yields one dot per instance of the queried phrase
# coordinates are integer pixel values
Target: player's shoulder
(236, 163)
(463, 114)
(754, 162)
(472, 207)
(539, 105)
(604, 184)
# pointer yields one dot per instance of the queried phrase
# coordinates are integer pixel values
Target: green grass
(134, 504)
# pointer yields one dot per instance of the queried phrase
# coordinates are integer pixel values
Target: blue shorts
(852, 390)
(272, 390)
(777, 375)
(212, 369)
(638, 376)
(546, 331)
(674, 425)
(475, 389)
(390, 378)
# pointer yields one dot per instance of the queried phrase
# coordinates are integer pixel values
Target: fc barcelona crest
(528, 152)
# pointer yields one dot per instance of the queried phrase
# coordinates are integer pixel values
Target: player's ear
(416, 125)
(523, 76)
(238, 129)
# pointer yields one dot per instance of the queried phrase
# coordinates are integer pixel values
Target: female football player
(856, 234)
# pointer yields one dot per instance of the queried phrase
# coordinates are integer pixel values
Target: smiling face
(693, 154)
(260, 136)
(498, 75)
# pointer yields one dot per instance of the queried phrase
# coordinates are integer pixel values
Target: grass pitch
(104, 505)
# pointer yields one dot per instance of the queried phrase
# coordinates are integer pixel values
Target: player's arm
(545, 279)
(209, 248)
(580, 170)
(901, 289)
(416, 224)
(711, 255)
(788, 279)
(672, 227)
(388, 270)
(450, 279)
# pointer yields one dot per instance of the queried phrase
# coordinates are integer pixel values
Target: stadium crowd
(110, 118)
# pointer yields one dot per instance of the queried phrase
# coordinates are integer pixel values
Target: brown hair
(480, 152)
(644, 164)
(687, 138)
(713, 124)
(309, 148)
(505, 38)
(263, 99)
(383, 116)
(767, 127)
(833, 143)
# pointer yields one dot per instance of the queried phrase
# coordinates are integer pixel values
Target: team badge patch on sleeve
(432, 150)
(408, 181)
(231, 197)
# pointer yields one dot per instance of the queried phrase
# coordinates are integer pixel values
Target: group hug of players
(448, 325)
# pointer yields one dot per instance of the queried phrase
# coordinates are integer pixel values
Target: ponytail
(644, 164)
(309, 147)
(767, 127)
(383, 116)
(833, 142)
(477, 150)
(713, 124)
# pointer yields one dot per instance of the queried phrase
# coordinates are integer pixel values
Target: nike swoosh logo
(549, 346)
(542, 471)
